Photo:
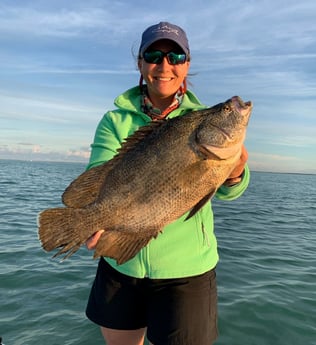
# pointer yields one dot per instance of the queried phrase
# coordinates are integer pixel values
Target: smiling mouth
(163, 79)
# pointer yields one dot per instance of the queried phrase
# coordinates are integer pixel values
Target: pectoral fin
(200, 204)
(120, 246)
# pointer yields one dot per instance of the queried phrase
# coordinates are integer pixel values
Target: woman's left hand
(235, 176)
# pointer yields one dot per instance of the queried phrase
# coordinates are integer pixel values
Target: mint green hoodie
(184, 248)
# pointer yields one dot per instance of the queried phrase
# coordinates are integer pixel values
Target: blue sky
(63, 63)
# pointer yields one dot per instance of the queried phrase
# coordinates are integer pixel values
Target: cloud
(69, 21)
(85, 154)
(271, 157)
(259, 161)
(26, 151)
(253, 26)
(76, 70)
(44, 108)
(295, 141)
(40, 22)
(36, 148)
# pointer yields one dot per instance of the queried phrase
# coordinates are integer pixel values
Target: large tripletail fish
(161, 172)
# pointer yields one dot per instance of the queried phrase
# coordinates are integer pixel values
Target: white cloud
(46, 109)
(69, 20)
(79, 153)
(61, 22)
(271, 157)
(35, 153)
(295, 141)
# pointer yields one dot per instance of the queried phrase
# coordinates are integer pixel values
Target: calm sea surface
(266, 275)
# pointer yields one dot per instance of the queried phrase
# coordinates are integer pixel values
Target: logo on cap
(166, 28)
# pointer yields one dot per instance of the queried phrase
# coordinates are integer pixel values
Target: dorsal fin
(85, 189)
(138, 136)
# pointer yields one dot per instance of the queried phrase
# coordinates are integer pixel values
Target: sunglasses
(156, 57)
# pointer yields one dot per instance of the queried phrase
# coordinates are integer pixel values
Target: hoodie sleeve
(105, 143)
(234, 192)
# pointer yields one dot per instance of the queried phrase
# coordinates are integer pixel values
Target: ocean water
(266, 274)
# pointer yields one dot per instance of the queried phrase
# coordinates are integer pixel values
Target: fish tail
(58, 228)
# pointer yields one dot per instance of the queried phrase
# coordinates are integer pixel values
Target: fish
(163, 171)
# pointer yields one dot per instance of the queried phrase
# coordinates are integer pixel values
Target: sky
(62, 63)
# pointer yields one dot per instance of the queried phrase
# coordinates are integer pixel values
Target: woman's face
(163, 80)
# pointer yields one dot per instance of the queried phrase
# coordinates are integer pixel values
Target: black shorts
(175, 311)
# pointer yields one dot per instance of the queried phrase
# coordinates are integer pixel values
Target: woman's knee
(123, 337)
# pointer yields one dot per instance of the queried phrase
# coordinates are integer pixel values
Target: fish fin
(119, 245)
(200, 204)
(84, 190)
(141, 133)
(57, 228)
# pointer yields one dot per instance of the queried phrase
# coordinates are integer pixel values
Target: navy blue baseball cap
(164, 31)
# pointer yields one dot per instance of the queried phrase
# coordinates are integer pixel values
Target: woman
(168, 290)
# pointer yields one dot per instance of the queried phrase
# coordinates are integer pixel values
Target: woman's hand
(235, 176)
(93, 240)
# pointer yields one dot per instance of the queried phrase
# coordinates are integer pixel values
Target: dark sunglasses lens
(175, 59)
(155, 56)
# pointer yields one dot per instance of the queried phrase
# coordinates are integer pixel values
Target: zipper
(206, 239)
(145, 261)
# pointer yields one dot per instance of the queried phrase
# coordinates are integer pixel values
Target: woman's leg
(117, 304)
(123, 337)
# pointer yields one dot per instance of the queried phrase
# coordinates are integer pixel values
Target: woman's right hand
(93, 240)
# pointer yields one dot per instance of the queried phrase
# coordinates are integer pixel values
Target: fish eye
(226, 108)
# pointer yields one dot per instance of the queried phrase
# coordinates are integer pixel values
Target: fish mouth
(244, 108)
